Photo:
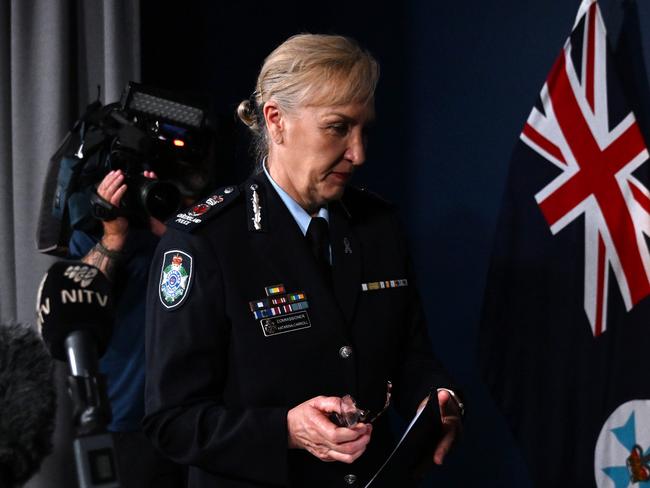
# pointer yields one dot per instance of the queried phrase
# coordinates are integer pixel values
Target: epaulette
(364, 192)
(361, 199)
(198, 214)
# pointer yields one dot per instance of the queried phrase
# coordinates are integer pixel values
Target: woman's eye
(340, 129)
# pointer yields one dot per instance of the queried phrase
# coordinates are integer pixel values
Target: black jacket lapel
(283, 248)
(346, 260)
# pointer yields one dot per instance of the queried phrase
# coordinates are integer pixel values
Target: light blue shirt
(301, 217)
(299, 214)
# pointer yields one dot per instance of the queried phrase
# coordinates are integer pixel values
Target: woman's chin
(333, 192)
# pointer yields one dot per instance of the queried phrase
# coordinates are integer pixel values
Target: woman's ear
(274, 119)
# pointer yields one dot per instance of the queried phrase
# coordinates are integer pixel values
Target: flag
(565, 332)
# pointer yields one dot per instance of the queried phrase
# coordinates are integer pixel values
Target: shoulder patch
(175, 278)
(193, 217)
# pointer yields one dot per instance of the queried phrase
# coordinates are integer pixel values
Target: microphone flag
(74, 296)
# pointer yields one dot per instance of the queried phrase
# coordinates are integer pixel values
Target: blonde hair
(309, 69)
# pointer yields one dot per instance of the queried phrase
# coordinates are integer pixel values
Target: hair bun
(246, 113)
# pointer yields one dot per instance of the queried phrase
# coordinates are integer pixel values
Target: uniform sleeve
(419, 370)
(187, 347)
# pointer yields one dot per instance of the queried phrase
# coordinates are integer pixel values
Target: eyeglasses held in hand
(351, 414)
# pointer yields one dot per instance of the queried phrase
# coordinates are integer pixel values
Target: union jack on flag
(597, 150)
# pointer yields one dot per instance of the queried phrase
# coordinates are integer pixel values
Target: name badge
(285, 323)
(280, 312)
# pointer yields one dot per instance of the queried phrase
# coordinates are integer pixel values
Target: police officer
(269, 302)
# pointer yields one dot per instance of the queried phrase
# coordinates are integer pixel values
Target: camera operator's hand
(107, 253)
(112, 188)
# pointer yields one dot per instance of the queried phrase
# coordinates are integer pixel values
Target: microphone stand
(93, 445)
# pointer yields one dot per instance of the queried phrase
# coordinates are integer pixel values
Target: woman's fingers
(311, 429)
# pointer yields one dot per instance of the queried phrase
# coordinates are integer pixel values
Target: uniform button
(228, 190)
(345, 352)
(350, 479)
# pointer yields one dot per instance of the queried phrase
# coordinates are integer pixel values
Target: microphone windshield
(27, 403)
(74, 296)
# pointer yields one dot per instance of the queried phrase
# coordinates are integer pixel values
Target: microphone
(74, 299)
(27, 403)
(75, 315)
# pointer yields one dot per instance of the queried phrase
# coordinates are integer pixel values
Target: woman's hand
(451, 425)
(311, 429)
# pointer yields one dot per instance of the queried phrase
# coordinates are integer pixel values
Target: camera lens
(160, 199)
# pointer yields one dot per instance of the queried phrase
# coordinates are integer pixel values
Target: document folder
(413, 454)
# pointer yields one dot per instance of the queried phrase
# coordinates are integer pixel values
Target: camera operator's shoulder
(206, 210)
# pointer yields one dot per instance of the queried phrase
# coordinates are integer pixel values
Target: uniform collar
(298, 213)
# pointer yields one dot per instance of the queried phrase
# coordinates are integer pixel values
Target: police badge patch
(175, 278)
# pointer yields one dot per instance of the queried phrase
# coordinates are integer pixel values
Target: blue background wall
(458, 82)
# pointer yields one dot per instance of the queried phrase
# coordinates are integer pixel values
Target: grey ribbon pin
(346, 243)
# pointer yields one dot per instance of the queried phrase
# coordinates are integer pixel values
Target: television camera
(149, 129)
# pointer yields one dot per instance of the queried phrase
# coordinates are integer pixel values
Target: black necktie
(318, 238)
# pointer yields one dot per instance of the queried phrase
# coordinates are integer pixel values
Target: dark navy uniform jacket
(221, 378)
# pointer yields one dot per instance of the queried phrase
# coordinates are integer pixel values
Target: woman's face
(316, 150)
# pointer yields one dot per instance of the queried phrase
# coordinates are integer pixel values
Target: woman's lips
(342, 176)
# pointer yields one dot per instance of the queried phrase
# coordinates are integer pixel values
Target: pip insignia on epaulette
(355, 196)
(363, 190)
(193, 217)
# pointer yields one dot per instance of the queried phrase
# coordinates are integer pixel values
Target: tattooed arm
(107, 253)
(105, 259)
